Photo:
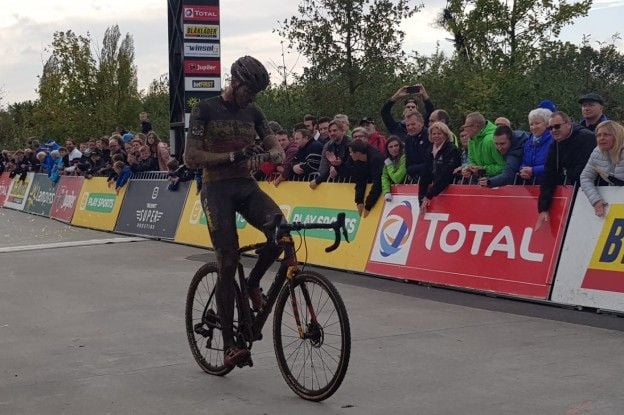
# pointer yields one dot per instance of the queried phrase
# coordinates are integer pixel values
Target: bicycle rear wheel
(314, 361)
(203, 326)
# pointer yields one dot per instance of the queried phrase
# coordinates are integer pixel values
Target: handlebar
(277, 228)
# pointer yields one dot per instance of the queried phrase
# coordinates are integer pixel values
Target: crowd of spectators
(420, 148)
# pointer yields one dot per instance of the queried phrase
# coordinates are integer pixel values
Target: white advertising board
(591, 269)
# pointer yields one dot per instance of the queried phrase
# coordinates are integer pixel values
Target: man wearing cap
(592, 106)
(375, 138)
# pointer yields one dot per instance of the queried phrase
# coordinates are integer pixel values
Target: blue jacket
(535, 154)
(513, 158)
(123, 177)
(54, 174)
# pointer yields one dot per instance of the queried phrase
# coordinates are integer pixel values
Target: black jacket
(398, 127)
(438, 172)
(417, 149)
(302, 156)
(565, 162)
(368, 172)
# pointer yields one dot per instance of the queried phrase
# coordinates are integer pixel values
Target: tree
(156, 103)
(347, 40)
(506, 32)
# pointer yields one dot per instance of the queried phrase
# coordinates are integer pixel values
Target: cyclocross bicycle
(311, 333)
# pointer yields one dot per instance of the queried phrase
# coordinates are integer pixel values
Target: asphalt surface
(99, 329)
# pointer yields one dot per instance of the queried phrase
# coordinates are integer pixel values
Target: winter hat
(547, 104)
(127, 137)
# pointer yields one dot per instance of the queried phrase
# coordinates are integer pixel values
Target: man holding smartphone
(398, 127)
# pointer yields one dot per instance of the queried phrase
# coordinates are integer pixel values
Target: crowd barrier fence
(471, 238)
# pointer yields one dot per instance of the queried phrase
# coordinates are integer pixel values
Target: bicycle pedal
(199, 329)
(248, 362)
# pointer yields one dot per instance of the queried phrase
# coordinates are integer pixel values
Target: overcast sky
(26, 28)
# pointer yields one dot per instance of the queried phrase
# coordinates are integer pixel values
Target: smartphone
(414, 89)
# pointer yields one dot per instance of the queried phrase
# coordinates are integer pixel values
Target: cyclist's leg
(258, 209)
(221, 218)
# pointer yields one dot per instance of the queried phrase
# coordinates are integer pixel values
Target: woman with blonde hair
(439, 165)
(159, 149)
(606, 162)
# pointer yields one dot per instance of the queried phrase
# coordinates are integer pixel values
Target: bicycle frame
(288, 269)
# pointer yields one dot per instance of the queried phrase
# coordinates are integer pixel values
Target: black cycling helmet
(250, 72)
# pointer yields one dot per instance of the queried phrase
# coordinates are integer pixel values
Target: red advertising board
(202, 67)
(194, 13)
(472, 237)
(66, 198)
(5, 183)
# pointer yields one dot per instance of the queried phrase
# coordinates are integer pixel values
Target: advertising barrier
(299, 203)
(472, 237)
(16, 196)
(66, 198)
(41, 195)
(98, 205)
(5, 183)
(591, 269)
(149, 209)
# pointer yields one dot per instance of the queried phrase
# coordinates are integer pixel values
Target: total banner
(472, 237)
(16, 195)
(591, 270)
(66, 198)
(5, 183)
(41, 195)
(299, 204)
(149, 209)
(98, 205)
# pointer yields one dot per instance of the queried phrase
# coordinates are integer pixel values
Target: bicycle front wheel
(313, 357)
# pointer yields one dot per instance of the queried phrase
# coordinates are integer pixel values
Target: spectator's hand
(313, 184)
(599, 208)
(422, 93)
(475, 169)
(526, 172)
(360, 208)
(297, 169)
(483, 182)
(253, 150)
(110, 184)
(388, 197)
(466, 172)
(337, 162)
(330, 156)
(424, 205)
(458, 170)
(333, 173)
(365, 213)
(541, 219)
(117, 190)
(278, 180)
(280, 169)
(400, 93)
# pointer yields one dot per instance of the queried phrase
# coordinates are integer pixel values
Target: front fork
(292, 271)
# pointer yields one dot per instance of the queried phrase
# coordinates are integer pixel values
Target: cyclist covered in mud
(228, 137)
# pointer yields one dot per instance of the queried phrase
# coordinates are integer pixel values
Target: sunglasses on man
(554, 127)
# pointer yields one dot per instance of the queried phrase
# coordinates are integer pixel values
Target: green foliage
(156, 103)
(495, 33)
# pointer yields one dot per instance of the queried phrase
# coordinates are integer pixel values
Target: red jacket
(378, 141)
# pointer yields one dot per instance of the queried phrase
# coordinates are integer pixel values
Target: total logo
(201, 13)
(396, 230)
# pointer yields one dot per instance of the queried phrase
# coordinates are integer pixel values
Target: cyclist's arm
(195, 156)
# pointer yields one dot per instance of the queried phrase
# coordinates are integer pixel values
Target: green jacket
(392, 174)
(482, 151)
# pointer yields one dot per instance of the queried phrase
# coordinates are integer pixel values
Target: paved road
(99, 329)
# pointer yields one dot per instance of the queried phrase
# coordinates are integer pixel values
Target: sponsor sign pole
(202, 51)
(591, 269)
(472, 237)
